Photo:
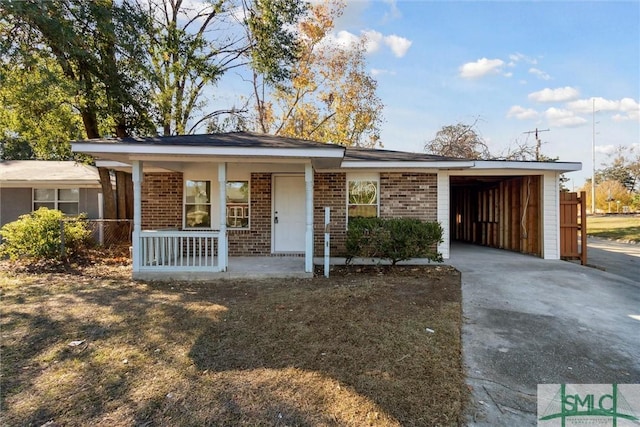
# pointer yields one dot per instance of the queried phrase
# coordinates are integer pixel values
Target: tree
(37, 116)
(624, 167)
(185, 59)
(460, 141)
(95, 45)
(329, 97)
(608, 194)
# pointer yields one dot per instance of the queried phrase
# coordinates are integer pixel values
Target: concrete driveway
(529, 321)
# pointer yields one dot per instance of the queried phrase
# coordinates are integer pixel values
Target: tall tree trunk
(90, 122)
(121, 191)
(108, 196)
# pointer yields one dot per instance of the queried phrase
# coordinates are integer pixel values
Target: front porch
(242, 267)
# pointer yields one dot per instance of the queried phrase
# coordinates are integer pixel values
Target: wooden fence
(572, 209)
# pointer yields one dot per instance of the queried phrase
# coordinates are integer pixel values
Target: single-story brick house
(26, 185)
(200, 199)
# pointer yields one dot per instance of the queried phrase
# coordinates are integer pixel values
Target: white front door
(288, 214)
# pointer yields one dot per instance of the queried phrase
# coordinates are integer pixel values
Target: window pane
(68, 208)
(238, 216)
(69, 195)
(48, 205)
(198, 216)
(363, 192)
(44, 194)
(198, 192)
(363, 210)
(238, 192)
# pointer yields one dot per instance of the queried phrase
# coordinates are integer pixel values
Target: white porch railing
(185, 251)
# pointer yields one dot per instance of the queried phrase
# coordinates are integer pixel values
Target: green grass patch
(376, 348)
(617, 227)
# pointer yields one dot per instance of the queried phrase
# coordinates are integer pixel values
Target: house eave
(435, 165)
(103, 150)
(531, 166)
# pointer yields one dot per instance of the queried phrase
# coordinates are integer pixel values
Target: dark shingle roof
(354, 154)
(232, 139)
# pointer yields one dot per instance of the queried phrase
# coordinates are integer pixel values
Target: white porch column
(444, 203)
(308, 251)
(136, 166)
(551, 215)
(223, 247)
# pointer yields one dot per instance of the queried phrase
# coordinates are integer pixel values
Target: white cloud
(380, 72)
(539, 73)
(563, 118)
(602, 104)
(343, 39)
(627, 109)
(561, 94)
(398, 45)
(522, 113)
(517, 57)
(394, 12)
(605, 149)
(374, 41)
(481, 67)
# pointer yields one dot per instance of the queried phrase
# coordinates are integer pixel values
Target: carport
(503, 204)
(503, 212)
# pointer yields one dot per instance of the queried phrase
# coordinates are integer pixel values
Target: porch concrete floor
(265, 267)
(238, 268)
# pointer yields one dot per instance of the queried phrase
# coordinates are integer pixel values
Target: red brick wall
(162, 200)
(330, 189)
(408, 194)
(401, 195)
(257, 240)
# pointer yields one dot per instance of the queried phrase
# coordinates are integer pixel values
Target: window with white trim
(66, 200)
(197, 204)
(237, 204)
(362, 198)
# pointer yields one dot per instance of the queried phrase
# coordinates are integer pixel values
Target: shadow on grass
(350, 351)
(623, 233)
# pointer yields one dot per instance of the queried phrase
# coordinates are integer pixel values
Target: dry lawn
(617, 227)
(353, 350)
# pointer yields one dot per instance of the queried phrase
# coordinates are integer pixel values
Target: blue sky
(516, 66)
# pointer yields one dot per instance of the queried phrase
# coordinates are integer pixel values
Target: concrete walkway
(529, 321)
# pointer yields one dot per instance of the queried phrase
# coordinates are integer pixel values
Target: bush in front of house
(393, 239)
(39, 236)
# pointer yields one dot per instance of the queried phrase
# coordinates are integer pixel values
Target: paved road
(529, 321)
(622, 259)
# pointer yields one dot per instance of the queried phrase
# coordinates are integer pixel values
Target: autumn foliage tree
(330, 96)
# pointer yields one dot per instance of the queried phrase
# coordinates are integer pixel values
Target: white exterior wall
(551, 215)
(444, 203)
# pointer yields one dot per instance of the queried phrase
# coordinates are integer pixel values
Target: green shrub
(38, 235)
(394, 239)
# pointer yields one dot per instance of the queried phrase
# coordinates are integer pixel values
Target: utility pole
(593, 174)
(538, 142)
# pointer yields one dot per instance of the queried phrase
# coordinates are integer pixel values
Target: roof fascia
(536, 166)
(436, 165)
(200, 151)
